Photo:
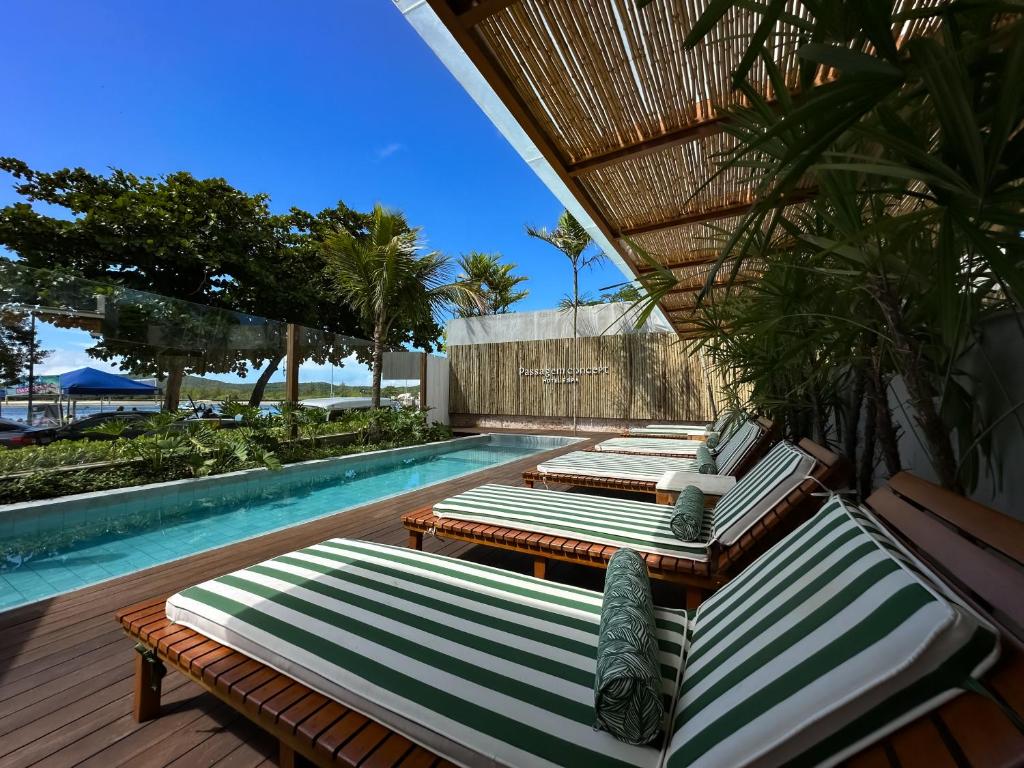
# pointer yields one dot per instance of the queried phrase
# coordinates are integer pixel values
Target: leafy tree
(16, 345)
(572, 240)
(627, 292)
(494, 282)
(387, 283)
(195, 240)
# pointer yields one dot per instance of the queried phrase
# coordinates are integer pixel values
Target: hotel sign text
(563, 375)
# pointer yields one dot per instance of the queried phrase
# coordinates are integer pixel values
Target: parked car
(79, 429)
(17, 434)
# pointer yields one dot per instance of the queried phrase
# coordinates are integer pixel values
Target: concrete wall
(437, 390)
(995, 370)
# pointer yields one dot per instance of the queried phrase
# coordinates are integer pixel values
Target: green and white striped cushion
(647, 445)
(668, 429)
(618, 466)
(616, 522)
(818, 648)
(766, 484)
(475, 663)
(731, 452)
(728, 455)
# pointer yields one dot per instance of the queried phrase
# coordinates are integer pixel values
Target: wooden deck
(66, 666)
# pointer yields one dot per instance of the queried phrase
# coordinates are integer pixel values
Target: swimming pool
(59, 545)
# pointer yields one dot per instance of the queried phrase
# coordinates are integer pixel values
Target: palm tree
(494, 281)
(572, 240)
(384, 279)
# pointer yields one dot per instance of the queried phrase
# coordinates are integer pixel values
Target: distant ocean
(16, 411)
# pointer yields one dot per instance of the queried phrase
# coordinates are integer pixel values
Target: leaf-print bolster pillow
(627, 688)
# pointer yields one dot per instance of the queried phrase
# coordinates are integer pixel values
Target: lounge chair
(730, 452)
(588, 530)
(351, 653)
(721, 426)
(641, 473)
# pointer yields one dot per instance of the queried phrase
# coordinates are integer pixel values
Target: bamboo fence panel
(649, 377)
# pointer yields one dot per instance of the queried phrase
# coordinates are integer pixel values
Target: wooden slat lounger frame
(667, 435)
(978, 551)
(831, 470)
(768, 438)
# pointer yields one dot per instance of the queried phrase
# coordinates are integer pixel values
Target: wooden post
(540, 567)
(291, 371)
(148, 676)
(285, 755)
(668, 498)
(694, 597)
(415, 540)
(423, 382)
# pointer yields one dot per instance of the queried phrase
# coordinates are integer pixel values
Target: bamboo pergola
(628, 119)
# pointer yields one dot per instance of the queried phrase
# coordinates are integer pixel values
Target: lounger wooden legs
(415, 540)
(149, 673)
(285, 755)
(666, 498)
(540, 567)
(694, 597)
(528, 483)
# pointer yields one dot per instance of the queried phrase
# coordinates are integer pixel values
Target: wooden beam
(291, 371)
(646, 269)
(682, 135)
(483, 9)
(423, 381)
(724, 212)
(698, 288)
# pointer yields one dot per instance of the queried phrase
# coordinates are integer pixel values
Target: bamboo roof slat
(630, 119)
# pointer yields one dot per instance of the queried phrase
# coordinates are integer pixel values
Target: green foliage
(62, 453)
(572, 240)
(494, 283)
(16, 345)
(180, 449)
(45, 485)
(910, 240)
(402, 426)
(624, 293)
(388, 283)
(200, 241)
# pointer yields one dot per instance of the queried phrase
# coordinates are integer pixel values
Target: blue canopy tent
(90, 382)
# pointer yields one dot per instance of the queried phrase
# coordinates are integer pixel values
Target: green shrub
(196, 449)
(60, 454)
(405, 426)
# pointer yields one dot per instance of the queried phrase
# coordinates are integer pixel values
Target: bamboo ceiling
(626, 116)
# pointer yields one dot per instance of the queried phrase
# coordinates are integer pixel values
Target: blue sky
(307, 101)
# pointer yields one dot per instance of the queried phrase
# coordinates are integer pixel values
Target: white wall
(995, 372)
(598, 320)
(437, 390)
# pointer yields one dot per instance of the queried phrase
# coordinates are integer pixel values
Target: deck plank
(66, 669)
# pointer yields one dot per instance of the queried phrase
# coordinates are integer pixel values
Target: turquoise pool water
(47, 549)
